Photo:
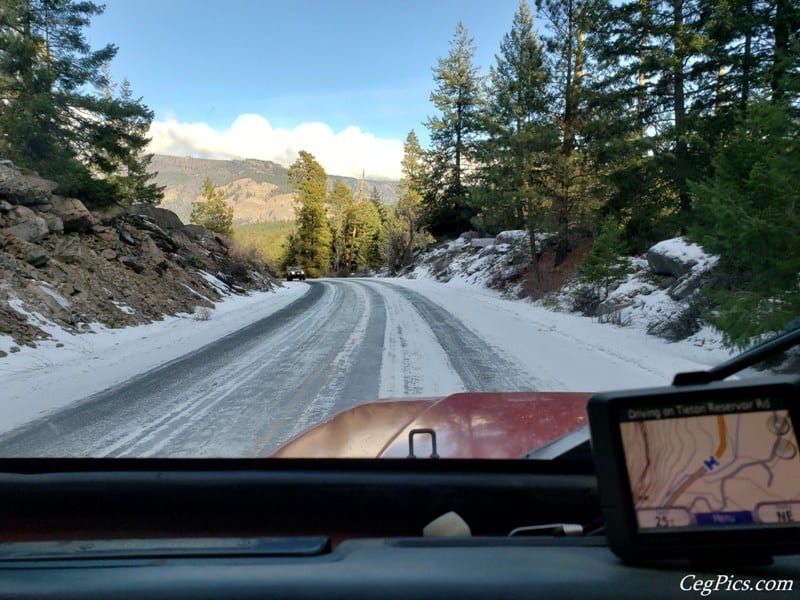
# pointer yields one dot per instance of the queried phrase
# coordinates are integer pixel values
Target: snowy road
(340, 343)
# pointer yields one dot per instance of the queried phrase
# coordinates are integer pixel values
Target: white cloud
(347, 152)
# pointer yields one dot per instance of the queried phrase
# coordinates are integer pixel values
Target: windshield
(261, 229)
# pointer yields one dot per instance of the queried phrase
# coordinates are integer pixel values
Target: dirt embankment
(66, 266)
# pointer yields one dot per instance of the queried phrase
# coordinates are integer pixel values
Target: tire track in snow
(607, 350)
(481, 366)
(413, 363)
(348, 374)
(296, 381)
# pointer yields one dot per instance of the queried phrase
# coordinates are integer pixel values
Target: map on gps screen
(689, 467)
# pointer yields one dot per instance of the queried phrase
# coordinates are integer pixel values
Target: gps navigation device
(706, 472)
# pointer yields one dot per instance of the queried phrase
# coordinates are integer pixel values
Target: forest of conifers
(613, 122)
(662, 117)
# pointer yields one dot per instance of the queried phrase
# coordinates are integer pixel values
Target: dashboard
(327, 529)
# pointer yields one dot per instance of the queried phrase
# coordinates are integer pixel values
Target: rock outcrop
(491, 262)
(64, 265)
(664, 290)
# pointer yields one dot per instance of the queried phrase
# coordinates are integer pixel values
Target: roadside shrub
(551, 302)
(203, 313)
(586, 299)
(606, 265)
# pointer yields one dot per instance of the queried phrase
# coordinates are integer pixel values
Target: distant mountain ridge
(259, 190)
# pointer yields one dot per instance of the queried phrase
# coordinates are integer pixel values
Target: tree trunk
(681, 148)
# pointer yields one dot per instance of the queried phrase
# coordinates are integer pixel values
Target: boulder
(47, 301)
(106, 214)
(22, 189)
(481, 242)
(161, 237)
(674, 257)
(54, 223)
(135, 265)
(207, 239)
(195, 232)
(125, 234)
(107, 237)
(223, 240)
(26, 225)
(36, 256)
(165, 219)
(68, 249)
(72, 212)
(516, 245)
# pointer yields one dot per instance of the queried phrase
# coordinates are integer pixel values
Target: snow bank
(70, 367)
(641, 301)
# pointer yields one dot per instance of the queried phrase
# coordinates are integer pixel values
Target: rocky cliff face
(64, 265)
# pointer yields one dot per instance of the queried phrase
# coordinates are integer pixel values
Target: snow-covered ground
(36, 381)
(567, 351)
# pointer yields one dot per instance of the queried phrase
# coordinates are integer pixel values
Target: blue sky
(263, 79)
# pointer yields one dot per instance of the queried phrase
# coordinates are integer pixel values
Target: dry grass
(248, 253)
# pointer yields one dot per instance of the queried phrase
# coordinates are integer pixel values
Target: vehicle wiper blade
(788, 338)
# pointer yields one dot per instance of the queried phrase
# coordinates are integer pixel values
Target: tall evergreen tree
(573, 187)
(54, 115)
(310, 245)
(749, 214)
(376, 252)
(365, 226)
(655, 72)
(116, 147)
(459, 98)
(408, 210)
(341, 203)
(520, 133)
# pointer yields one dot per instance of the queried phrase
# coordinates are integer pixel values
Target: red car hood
(467, 425)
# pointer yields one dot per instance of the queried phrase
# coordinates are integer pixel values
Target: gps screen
(710, 464)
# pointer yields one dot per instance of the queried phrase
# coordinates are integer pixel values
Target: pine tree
(56, 116)
(354, 225)
(573, 189)
(459, 98)
(341, 207)
(310, 245)
(212, 212)
(376, 251)
(749, 214)
(117, 145)
(519, 133)
(606, 265)
(367, 225)
(408, 211)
